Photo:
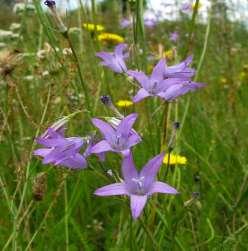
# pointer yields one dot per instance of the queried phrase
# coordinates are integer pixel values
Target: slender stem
(66, 217)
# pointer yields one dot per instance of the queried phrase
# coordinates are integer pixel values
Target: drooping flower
(150, 22)
(119, 139)
(139, 186)
(186, 8)
(124, 103)
(114, 60)
(174, 36)
(125, 23)
(110, 37)
(59, 150)
(166, 82)
(93, 27)
(174, 159)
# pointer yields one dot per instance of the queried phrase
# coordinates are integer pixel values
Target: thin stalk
(203, 54)
(66, 218)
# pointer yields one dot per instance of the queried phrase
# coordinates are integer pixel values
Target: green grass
(213, 138)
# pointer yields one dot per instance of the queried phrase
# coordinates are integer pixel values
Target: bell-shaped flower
(59, 150)
(167, 82)
(115, 60)
(139, 186)
(116, 139)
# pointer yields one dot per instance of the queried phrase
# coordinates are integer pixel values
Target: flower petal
(139, 76)
(133, 139)
(128, 169)
(142, 93)
(150, 170)
(158, 70)
(100, 147)
(161, 187)
(106, 129)
(75, 162)
(126, 124)
(112, 189)
(105, 56)
(119, 49)
(137, 204)
(42, 152)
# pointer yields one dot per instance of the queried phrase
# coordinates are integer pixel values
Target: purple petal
(137, 204)
(42, 152)
(158, 70)
(114, 66)
(119, 49)
(141, 94)
(126, 124)
(139, 76)
(112, 189)
(150, 170)
(133, 140)
(75, 162)
(100, 147)
(128, 169)
(161, 187)
(105, 128)
(105, 56)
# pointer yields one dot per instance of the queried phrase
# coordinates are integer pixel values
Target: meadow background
(48, 208)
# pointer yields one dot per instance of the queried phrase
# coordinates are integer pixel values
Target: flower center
(119, 143)
(139, 185)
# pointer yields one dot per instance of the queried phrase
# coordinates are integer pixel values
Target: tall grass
(211, 211)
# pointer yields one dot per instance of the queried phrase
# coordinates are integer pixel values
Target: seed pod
(39, 186)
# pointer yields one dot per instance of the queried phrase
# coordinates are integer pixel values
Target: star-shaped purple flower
(125, 23)
(115, 60)
(174, 36)
(139, 186)
(119, 139)
(167, 82)
(186, 8)
(59, 150)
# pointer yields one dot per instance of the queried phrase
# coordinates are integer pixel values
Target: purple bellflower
(139, 186)
(119, 139)
(150, 22)
(174, 36)
(59, 150)
(115, 60)
(166, 82)
(125, 23)
(186, 8)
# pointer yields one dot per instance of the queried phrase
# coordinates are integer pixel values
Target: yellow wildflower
(93, 27)
(124, 103)
(242, 75)
(194, 6)
(223, 81)
(110, 37)
(175, 159)
(169, 54)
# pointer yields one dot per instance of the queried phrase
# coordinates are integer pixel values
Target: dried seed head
(39, 186)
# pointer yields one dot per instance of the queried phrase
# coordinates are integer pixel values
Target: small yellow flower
(223, 81)
(124, 103)
(175, 159)
(93, 27)
(169, 54)
(194, 6)
(110, 37)
(242, 75)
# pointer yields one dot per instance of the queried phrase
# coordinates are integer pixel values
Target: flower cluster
(166, 82)
(118, 134)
